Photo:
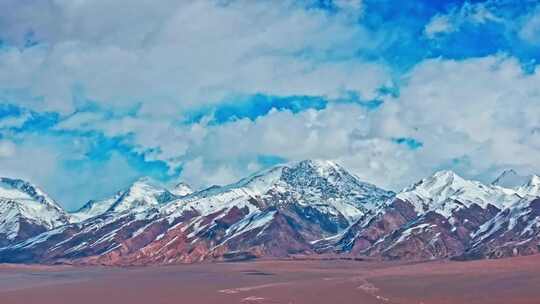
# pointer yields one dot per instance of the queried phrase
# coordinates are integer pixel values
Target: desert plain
(334, 281)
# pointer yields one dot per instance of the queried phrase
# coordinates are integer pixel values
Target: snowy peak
(323, 168)
(441, 184)
(94, 208)
(144, 182)
(308, 170)
(317, 185)
(181, 189)
(307, 207)
(534, 181)
(445, 191)
(448, 176)
(325, 178)
(20, 190)
(532, 187)
(319, 169)
(314, 169)
(25, 210)
(330, 179)
(142, 194)
(510, 179)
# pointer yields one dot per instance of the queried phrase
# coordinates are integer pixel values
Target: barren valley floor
(513, 280)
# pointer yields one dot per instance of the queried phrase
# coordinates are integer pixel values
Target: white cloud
(482, 110)
(457, 17)
(351, 8)
(439, 24)
(476, 115)
(182, 56)
(7, 148)
(58, 166)
(219, 154)
(530, 31)
(13, 121)
(341, 132)
(157, 139)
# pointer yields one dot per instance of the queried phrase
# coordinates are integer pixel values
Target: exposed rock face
(435, 218)
(363, 234)
(308, 207)
(514, 231)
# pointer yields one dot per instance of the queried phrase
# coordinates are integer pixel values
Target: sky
(96, 93)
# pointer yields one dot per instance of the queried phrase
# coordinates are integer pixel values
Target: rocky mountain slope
(510, 179)
(307, 207)
(25, 210)
(513, 231)
(141, 195)
(276, 212)
(441, 216)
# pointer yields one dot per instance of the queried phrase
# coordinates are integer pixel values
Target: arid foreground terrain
(514, 280)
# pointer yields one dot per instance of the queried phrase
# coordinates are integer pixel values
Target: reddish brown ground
(514, 280)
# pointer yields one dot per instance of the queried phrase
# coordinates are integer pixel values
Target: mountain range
(306, 208)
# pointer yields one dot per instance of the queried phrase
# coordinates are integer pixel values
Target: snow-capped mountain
(181, 189)
(532, 187)
(141, 195)
(275, 212)
(510, 179)
(25, 210)
(513, 231)
(306, 207)
(320, 185)
(315, 199)
(445, 192)
(436, 217)
(94, 208)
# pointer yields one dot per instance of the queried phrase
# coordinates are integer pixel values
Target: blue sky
(95, 94)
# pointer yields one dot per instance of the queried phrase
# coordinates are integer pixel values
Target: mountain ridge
(306, 207)
(25, 209)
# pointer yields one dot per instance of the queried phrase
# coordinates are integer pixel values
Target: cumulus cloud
(341, 132)
(174, 57)
(132, 73)
(58, 166)
(477, 114)
(222, 153)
